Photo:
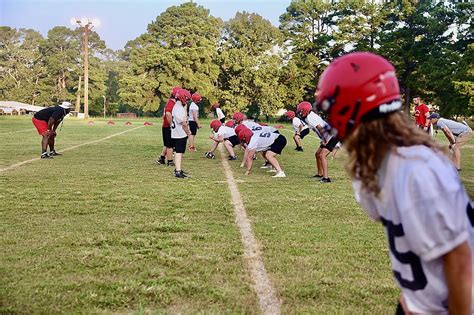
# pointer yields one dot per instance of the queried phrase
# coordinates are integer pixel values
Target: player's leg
(180, 149)
(319, 166)
(229, 147)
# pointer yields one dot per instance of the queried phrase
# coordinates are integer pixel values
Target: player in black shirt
(46, 122)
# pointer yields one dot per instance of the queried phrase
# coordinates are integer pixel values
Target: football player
(193, 119)
(180, 129)
(404, 180)
(222, 134)
(301, 129)
(168, 143)
(218, 112)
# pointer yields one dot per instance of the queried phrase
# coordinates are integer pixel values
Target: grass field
(102, 229)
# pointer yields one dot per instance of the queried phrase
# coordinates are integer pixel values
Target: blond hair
(370, 142)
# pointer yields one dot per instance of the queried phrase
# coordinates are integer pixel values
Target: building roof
(18, 106)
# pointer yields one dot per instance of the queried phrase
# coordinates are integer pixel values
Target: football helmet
(196, 97)
(303, 109)
(238, 117)
(357, 86)
(290, 114)
(215, 125)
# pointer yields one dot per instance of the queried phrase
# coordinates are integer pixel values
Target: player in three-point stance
(328, 142)
(180, 129)
(301, 130)
(168, 143)
(404, 180)
(193, 119)
(265, 141)
(223, 134)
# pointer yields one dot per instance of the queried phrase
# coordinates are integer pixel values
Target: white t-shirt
(179, 117)
(297, 123)
(193, 107)
(225, 132)
(262, 140)
(424, 209)
(257, 127)
(219, 113)
(313, 120)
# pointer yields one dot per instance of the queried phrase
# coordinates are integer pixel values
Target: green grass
(104, 230)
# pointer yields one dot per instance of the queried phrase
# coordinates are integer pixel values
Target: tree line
(247, 64)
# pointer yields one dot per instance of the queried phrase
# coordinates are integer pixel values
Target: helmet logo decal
(355, 67)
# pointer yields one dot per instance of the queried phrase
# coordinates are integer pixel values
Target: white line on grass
(23, 130)
(267, 298)
(67, 149)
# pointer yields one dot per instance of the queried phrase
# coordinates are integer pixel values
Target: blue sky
(121, 20)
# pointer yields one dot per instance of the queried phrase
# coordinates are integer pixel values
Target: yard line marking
(23, 130)
(267, 298)
(467, 180)
(67, 149)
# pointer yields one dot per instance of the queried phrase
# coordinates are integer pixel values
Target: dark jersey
(57, 112)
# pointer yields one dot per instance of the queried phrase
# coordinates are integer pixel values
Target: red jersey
(168, 109)
(420, 114)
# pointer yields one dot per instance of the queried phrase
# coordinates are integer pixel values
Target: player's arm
(169, 118)
(458, 272)
(250, 153)
(218, 139)
(322, 132)
(427, 120)
(447, 132)
(185, 125)
(196, 119)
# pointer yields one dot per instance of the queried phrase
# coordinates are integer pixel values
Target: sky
(121, 20)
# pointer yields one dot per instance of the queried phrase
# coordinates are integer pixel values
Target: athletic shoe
(254, 157)
(325, 180)
(232, 158)
(318, 176)
(160, 161)
(54, 153)
(46, 156)
(272, 170)
(279, 174)
(265, 165)
(179, 174)
(300, 149)
(170, 163)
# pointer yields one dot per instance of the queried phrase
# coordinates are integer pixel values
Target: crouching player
(223, 134)
(269, 143)
(301, 129)
(403, 180)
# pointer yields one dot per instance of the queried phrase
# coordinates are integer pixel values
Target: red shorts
(41, 126)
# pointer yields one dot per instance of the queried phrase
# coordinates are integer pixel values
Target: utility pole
(78, 97)
(104, 104)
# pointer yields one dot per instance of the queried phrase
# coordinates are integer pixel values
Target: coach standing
(46, 122)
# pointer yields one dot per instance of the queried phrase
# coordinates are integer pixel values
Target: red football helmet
(303, 109)
(245, 135)
(290, 114)
(183, 96)
(240, 128)
(175, 90)
(238, 117)
(355, 86)
(196, 97)
(230, 124)
(216, 124)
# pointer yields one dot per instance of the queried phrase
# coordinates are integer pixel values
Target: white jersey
(225, 132)
(313, 120)
(297, 123)
(262, 140)
(193, 107)
(179, 118)
(426, 213)
(219, 113)
(253, 126)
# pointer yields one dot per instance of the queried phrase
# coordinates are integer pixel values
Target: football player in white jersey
(193, 119)
(404, 180)
(270, 143)
(180, 129)
(328, 143)
(223, 134)
(218, 112)
(300, 128)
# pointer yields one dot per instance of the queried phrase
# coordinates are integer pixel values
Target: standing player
(219, 113)
(301, 130)
(223, 134)
(403, 180)
(422, 113)
(168, 143)
(328, 143)
(193, 118)
(269, 143)
(180, 129)
(46, 122)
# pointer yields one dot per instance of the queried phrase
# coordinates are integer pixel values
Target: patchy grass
(104, 230)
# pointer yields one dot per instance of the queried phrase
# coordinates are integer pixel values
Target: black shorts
(331, 144)
(180, 145)
(278, 145)
(193, 127)
(234, 140)
(222, 120)
(167, 140)
(304, 133)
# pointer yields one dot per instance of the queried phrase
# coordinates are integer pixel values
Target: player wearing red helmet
(168, 142)
(193, 119)
(301, 129)
(328, 143)
(222, 134)
(180, 129)
(230, 124)
(218, 112)
(265, 141)
(402, 178)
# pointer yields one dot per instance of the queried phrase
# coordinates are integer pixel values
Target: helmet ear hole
(344, 110)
